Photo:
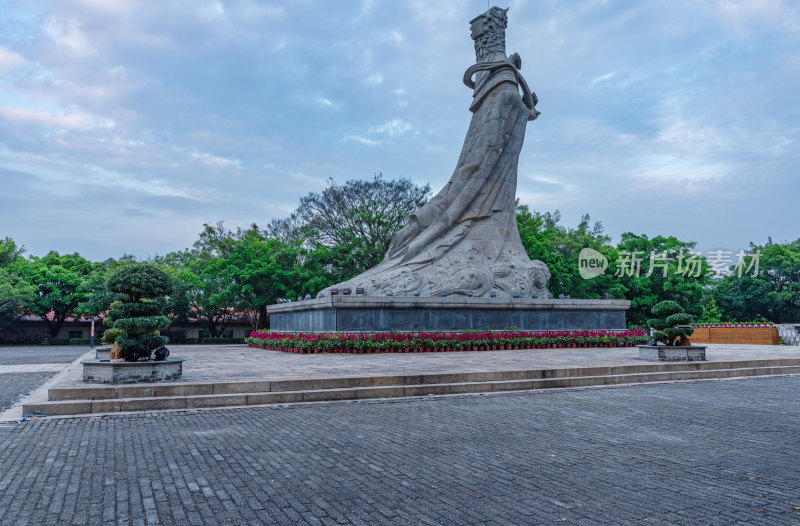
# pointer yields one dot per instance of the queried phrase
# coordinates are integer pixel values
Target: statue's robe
(465, 238)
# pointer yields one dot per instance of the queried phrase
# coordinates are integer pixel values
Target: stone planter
(102, 353)
(664, 353)
(107, 372)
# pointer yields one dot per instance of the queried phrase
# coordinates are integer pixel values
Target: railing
(789, 334)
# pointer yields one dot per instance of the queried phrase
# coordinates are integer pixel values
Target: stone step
(319, 393)
(110, 392)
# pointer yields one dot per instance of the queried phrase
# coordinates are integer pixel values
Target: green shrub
(139, 282)
(55, 341)
(669, 315)
(135, 318)
(111, 335)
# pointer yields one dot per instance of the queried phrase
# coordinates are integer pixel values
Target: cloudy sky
(126, 125)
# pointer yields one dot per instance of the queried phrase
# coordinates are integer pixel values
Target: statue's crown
(494, 14)
(492, 21)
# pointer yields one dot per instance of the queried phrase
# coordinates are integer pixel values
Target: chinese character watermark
(718, 264)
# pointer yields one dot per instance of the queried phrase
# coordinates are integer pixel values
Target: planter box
(106, 372)
(744, 335)
(102, 353)
(663, 353)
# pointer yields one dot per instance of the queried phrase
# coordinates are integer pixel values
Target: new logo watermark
(591, 263)
(719, 263)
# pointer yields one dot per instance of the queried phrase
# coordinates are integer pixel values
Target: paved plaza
(716, 452)
(240, 362)
(24, 368)
(710, 452)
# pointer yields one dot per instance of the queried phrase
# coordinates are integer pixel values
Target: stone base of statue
(672, 353)
(108, 372)
(413, 313)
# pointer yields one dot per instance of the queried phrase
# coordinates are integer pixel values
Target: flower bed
(386, 342)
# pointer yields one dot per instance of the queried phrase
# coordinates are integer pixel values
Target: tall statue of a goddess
(465, 239)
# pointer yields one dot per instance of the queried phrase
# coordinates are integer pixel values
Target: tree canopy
(345, 229)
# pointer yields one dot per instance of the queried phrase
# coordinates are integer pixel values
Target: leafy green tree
(672, 277)
(98, 296)
(711, 311)
(558, 247)
(59, 284)
(773, 294)
(9, 252)
(15, 292)
(136, 317)
(669, 316)
(360, 216)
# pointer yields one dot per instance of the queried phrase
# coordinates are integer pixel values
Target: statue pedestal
(664, 353)
(412, 313)
(106, 372)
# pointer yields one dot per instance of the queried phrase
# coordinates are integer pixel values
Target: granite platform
(453, 312)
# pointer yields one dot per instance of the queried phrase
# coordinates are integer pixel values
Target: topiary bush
(135, 319)
(668, 315)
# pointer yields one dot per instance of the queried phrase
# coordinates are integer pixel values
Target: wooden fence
(749, 335)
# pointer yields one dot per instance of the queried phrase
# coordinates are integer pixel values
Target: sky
(124, 126)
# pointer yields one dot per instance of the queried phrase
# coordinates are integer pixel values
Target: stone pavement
(715, 452)
(240, 362)
(24, 368)
(39, 354)
(215, 364)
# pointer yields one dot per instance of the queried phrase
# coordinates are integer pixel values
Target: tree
(711, 311)
(558, 247)
(136, 317)
(59, 286)
(669, 315)
(15, 292)
(255, 273)
(9, 252)
(772, 294)
(673, 281)
(98, 296)
(359, 215)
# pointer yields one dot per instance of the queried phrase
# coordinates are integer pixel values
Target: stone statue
(465, 239)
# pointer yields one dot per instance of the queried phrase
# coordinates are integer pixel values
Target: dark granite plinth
(358, 313)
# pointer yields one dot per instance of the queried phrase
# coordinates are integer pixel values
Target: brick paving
(39, 354)
(14, 386)
(720, 452)
(240, 362)
(24, 368)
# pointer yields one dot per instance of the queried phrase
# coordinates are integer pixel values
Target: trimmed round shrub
(136, 318)
(669, 314)
(111, 335)
(140, 281)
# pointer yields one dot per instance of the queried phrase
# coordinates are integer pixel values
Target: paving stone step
(111, 392)
(192, 400)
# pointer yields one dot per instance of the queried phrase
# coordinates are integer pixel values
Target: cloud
(361, 139)
(392, 128)
(75, 120)
(375, 79)
(196, 112)
(326, 103)
(9, 60)
(602, 78)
